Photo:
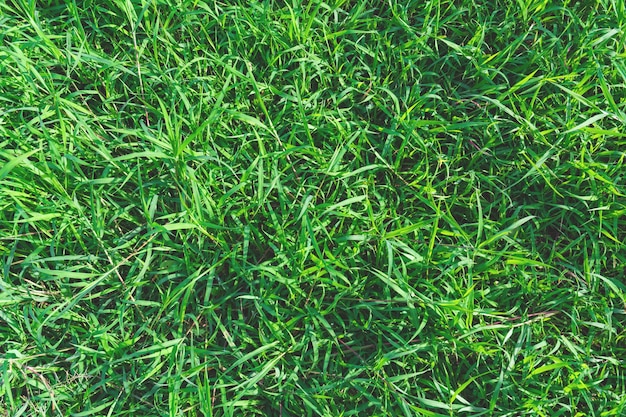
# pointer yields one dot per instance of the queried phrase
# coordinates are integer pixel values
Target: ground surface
(356, 208)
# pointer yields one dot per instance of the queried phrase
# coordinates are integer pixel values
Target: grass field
(308, 208)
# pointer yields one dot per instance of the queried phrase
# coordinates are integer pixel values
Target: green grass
(307, 208)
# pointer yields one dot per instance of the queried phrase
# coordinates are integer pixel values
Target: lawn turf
(308, 208)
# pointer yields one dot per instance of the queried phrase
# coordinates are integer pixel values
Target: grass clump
(312, 208)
